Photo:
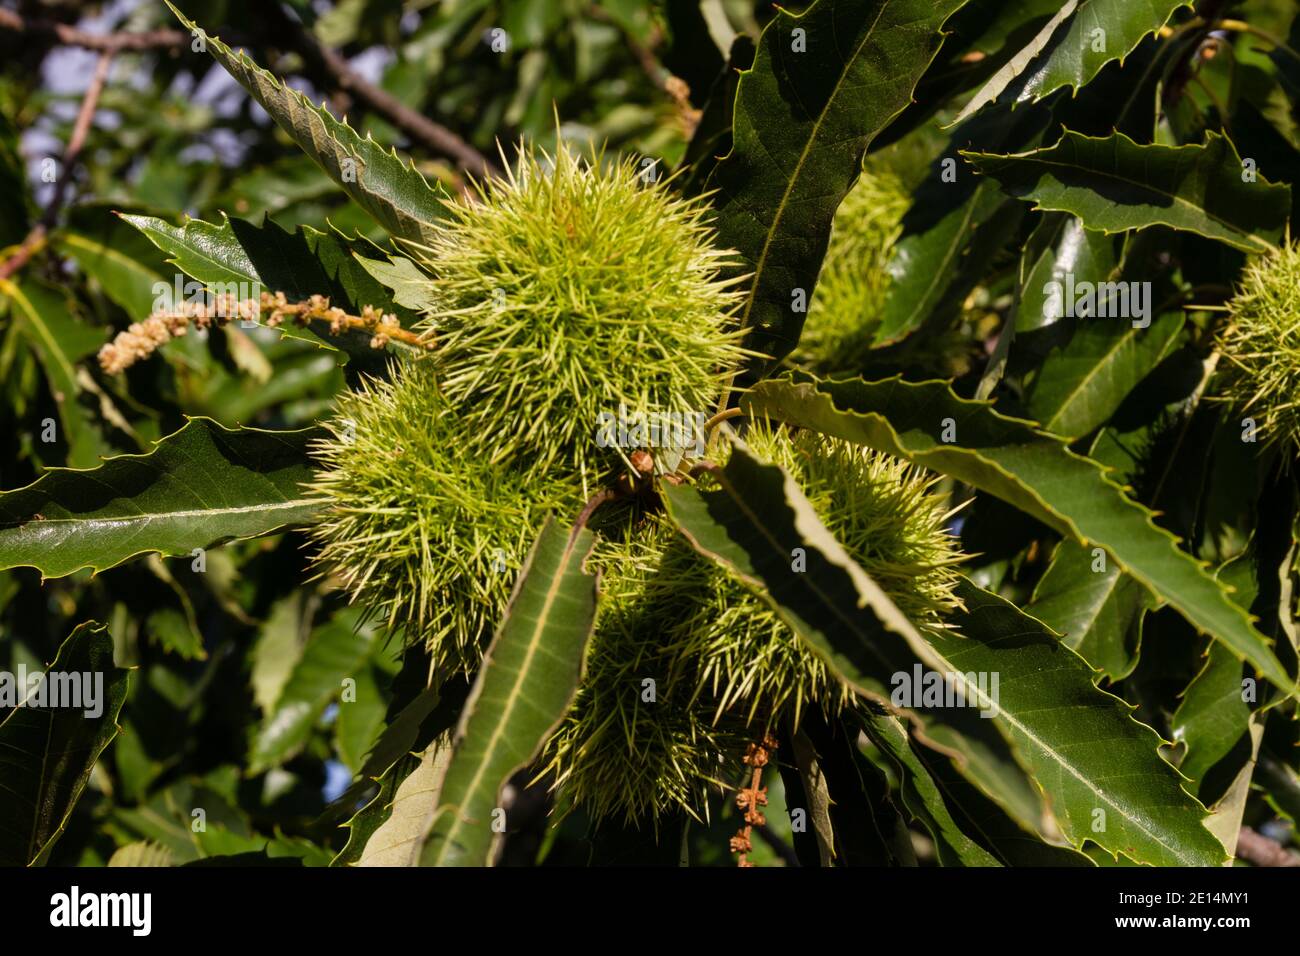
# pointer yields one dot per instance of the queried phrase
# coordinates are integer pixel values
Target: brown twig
(103, 42)
(35, 240)
(419, 127)
(328, 62)
(1260, 850)
(676, 88)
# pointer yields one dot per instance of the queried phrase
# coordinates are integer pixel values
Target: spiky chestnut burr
(724, 664)
(423, 533)
(1260, 346)
(638, 743)
(849, 298)
(572, 288)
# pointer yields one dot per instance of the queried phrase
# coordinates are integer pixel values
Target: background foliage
(1019, 151)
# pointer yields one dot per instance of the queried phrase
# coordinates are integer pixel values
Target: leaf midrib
(1106, 358)
(940, 274)
(190, 513)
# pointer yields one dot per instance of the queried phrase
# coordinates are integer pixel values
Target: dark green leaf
(922, 797)
(1114, 184)
(1058, 247)
(392, 191)
(979, 813)
(1101, 768)
(1032, 470)
(60, 341)
(803, 121)
(528, 678)
(865, 825)
(49, 745)
(1080, 386)
(1096, 32)
(981, 38)
(1212, 718)
(712, 138)
(1096, 608)
(201, 485)
(956, 225)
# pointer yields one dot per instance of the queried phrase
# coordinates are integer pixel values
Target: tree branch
(35, 240)
(329, 63)
(414, 124)
(103, 42)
